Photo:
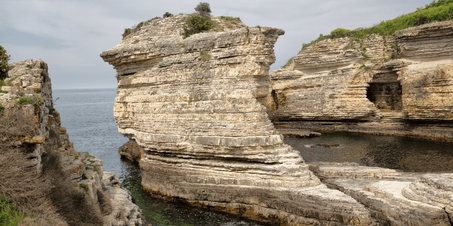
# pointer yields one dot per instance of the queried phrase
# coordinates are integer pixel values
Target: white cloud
(69, 35)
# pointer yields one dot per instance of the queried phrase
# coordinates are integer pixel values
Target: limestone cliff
(193, 110)
(27, 90)
(398, 85)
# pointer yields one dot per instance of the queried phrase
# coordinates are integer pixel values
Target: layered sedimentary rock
(383, 85)
(393, 198)
(193, 109)
(28, 90)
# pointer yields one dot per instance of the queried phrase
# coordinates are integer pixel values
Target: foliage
(29, 66)
(2, 109)
(167, 14)
(365, 57)
(364, 67)
(230, 22)
(137, 27)
(288, 63)
(25, 100)
(440, 10)
(83, 185)
(339, 31)
(9, 216)
(195, 24)
(203, 9)
(4, 58)
(10, 82)
(205, 56)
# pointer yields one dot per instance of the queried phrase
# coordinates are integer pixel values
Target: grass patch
(10, 82)
(137, 27)
(439, 10)
(290, 61)
(26, 100)
(9, 216)
(205, 56)
(364, 67)
(231, 22)
(83, 185)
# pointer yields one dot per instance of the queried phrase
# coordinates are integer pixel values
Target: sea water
(87, 115)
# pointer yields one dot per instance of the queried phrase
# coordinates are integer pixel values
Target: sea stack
(194, 110)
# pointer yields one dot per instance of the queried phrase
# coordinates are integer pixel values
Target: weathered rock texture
(195, 107)
(30, 79)
(393, 198)
(328, 86)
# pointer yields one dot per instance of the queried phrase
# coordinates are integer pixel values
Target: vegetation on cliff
(4, 58)
(198, 22)
(32, 198)
(439, 10)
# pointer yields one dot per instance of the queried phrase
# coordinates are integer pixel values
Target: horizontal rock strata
(398, 85)
(393, 198)
(195, 108)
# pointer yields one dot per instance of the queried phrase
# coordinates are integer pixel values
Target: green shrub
(364, 67)
(2, 109)
(29, 66)
(167, 14)
(195, 24)
(365, 57)
(4, 58)
(126, 32)
(339, 31)
(9, 216)
(25, 100)
(83, 185)
(203, 9)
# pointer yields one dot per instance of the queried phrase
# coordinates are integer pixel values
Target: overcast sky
(69, 35)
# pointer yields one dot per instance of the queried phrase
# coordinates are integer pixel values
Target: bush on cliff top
(195, 24)
(203, 9)
(4, 58)
(439, 10)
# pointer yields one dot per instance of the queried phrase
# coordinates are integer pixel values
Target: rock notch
(390, 85)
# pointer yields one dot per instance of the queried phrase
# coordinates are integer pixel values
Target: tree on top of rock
(203, 9)
(4, 57)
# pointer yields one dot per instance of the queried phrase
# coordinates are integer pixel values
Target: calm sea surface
(88, 117)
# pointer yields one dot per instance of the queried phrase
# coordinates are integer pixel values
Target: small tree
(4, 58)
(167, 14)
(203, 9)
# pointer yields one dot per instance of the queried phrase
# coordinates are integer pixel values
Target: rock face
(28, 89)
(398, 85)
(193, 109)
(393, 198)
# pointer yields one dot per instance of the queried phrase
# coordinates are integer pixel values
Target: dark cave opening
(385, 92)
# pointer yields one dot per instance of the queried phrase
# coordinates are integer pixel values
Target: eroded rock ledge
(405, 88)
(194, 107)
(29, 81)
